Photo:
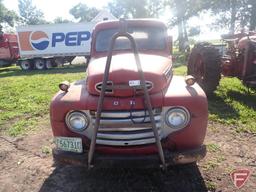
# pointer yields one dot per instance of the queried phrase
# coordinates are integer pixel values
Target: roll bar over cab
(130, 106)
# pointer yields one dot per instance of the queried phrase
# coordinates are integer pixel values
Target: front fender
(195, 100)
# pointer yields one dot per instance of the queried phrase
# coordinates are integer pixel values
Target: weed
(213, 147)
(46, 150)
(211, 185)
(213, 162)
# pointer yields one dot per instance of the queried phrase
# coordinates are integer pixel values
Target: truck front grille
(124, 128)
(110, 85)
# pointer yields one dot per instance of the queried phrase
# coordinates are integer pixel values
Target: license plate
(73, 144)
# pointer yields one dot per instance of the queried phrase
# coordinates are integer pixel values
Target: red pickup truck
(130, 107)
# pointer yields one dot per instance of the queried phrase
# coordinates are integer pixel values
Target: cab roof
(130, 22)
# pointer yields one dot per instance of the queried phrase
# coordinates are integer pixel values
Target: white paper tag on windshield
(134, 83)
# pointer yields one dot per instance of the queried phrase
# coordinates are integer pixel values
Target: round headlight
(177, 117)
(77, 121)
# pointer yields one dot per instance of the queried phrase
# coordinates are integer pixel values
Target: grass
(25, 98)
(180, 70)
(234, 105)
(211, 185)
(231, 104)
(213, 147)
(213, 162)
(46, 150)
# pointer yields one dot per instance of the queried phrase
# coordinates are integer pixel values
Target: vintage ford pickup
(130, 107)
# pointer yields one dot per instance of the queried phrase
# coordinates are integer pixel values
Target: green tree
(135, 8)
(253, 16)
(30, 15)
(83, 12)
(61, 20)
(183, 10)
(234, 14)
(7, 16)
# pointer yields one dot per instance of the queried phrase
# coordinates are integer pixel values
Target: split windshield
(147, 38)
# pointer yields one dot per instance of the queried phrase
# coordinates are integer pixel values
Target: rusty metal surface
(144, 161)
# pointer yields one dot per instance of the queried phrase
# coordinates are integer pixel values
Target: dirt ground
(26, 165)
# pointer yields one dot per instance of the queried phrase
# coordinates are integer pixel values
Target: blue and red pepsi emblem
(39, 40)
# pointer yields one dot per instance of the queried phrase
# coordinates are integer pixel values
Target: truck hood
(157, 71)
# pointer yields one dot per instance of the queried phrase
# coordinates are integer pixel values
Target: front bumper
(172, 158)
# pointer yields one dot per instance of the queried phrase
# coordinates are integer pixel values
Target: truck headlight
(177, 117)
(77, 121)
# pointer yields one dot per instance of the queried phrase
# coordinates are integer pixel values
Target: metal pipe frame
(123, 33)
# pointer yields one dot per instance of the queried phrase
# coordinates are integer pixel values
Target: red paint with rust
(167, 91)
(239, 59)
(123, 68)
(177, 94)
(9, 50)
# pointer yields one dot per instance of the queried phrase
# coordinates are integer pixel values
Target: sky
(57, 8)
(60, 8)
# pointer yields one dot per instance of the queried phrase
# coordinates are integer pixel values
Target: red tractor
(236, 59)
(130, 108)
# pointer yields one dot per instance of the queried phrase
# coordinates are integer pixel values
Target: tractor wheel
(26, 65)
(204, 64)
(39, 64)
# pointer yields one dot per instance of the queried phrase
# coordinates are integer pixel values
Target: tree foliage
(135, 8)
(229, 14)
(29, 13)
(234, 14)
(7, 16)
(183, 10)
(83, 12)
(61, 20)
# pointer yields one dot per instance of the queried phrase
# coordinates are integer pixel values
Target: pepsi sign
(39, 40)
(68, 39)
(71, 38)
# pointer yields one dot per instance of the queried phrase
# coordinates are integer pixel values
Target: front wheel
(204, 64)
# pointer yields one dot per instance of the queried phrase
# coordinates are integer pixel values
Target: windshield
(147, 38)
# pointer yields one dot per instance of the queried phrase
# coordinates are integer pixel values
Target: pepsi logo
(39, 40)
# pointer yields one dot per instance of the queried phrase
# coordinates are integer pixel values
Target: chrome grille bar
(126, 121)
(123, 143)
(121, 136)
(118, 128)
(126, 114)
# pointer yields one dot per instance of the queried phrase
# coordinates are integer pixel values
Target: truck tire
(39, 64)
(48, 64)
(26, 65)
(204, 64)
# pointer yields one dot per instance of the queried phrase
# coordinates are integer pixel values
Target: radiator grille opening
(99, 87)
(117, 128)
